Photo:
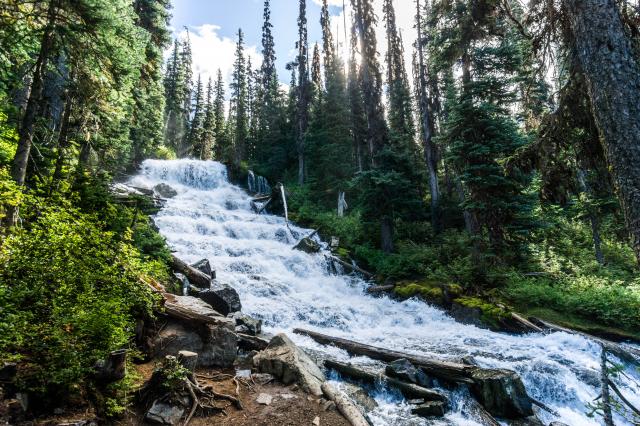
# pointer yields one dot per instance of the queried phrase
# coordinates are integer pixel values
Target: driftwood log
(449, 371)
(344, 405)
(409, 390)
(180, 312)
(351, 267)
(197, 278)
(631, 355)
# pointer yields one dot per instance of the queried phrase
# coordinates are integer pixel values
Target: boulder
(216, 345)
(307, 245)
(360, 397)
(222, 297)
(527, 421)
(163, 413)
(204, 266)
(502, 393)
(165, 191)
(284, 360)
(246, 324)
(430, 409)
(403, 370)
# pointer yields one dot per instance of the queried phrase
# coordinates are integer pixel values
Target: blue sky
(213, 26)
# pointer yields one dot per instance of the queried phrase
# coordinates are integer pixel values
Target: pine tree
(209, 125)
(316, 77)
(177, 85)
(356, 109)
(304, 92)
(195, 140)
(222, 147)
(252, 110)
(239, 107)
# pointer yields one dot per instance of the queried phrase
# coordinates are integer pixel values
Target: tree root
(202, 398)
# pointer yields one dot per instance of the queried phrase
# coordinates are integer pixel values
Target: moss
(342, 253)
(492, 315)
(430, 290)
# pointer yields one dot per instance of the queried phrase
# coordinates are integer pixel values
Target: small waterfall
(258, 184)
(211, 218)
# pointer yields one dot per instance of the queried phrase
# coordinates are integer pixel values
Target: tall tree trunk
(430, 154)
(63, 142)
(386, 234)
(613, 79)
(593, 218)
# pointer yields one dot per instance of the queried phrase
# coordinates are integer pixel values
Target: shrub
(69, 294)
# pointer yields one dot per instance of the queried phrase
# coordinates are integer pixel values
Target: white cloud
(212, 51)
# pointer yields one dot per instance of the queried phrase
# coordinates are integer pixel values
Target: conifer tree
(221, 142)
(178, 96)
(195, 140)
(304, 92)
(208, 126)
(316, 76)
(239, 107)
(356, 109)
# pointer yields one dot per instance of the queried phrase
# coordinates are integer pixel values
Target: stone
(360, 396)
(558, 424)
(162, 413)
(316, 421)
(502, 393)
(403, 370)
(222, 297)
(253, 326)
(216, 345)
(288, 396)
(527, 421)
(264, 399)
(165, 191)
(205, 267)
(200, 307)
(429, 409)
(415, 401)
(290, 364)
(262, 378)
(307, 245)
(329, 406)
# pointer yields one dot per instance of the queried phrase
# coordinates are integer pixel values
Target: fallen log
(445, 370)
(180, 312)
(631, 355)
(199, 279)
(525, 323)
(380, 288)
(344, 405)
(264, 206)
(409, 390)
(261, 198)
(347, 265)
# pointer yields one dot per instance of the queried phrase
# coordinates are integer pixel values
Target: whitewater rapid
(211, 218)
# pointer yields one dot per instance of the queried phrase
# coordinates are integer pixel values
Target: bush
(70, 293)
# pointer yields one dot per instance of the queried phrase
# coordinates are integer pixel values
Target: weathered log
(627, 354)
(196, 277)
(409, 390)
(525, 323)
(445, 370)
(113, 368)
(251, 343)
(380, 288)
(261, 198)
(344, 405)
(180, 312)
(347, 265)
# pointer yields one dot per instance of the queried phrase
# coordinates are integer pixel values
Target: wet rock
(502, 393)
(205, 267)
(360, 396)
(216, 345)
(405, 371)
(558, 424)
(307, 245)
(329, 406)
(252, 326)
(527, 421)
(264, 399)
(290, 364)
(162, 413)
(262, 378)
(165, 191)
(222, 297)
(430, 409)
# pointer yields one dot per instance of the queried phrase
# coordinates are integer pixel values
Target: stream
(212, 218)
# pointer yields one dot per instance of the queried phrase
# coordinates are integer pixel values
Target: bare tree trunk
(606, 398)
(430, 154)
(613, 79)
(593, 218)
(386, 234)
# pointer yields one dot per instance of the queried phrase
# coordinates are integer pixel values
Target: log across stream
(213, 219)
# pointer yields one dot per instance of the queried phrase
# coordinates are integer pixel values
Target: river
(212, 218)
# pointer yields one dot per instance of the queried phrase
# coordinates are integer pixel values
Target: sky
(213, 27)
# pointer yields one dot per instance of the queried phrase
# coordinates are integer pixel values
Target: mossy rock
(487, 313)
(431, 291)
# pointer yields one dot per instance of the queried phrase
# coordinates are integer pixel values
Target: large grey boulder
(284, 360)
(204, 266)
(162, 413)
(502, 393)
(165, 191)
(307, 245)
(246, 324)
(222, 297)
(403, 370)
(430, 409)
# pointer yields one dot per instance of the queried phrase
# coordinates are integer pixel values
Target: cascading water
(211, 218)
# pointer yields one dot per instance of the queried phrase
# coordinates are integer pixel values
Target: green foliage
(70, 293)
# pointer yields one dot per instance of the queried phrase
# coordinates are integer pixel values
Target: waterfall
(211, 218)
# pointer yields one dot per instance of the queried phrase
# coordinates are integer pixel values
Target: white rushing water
(211, 218)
